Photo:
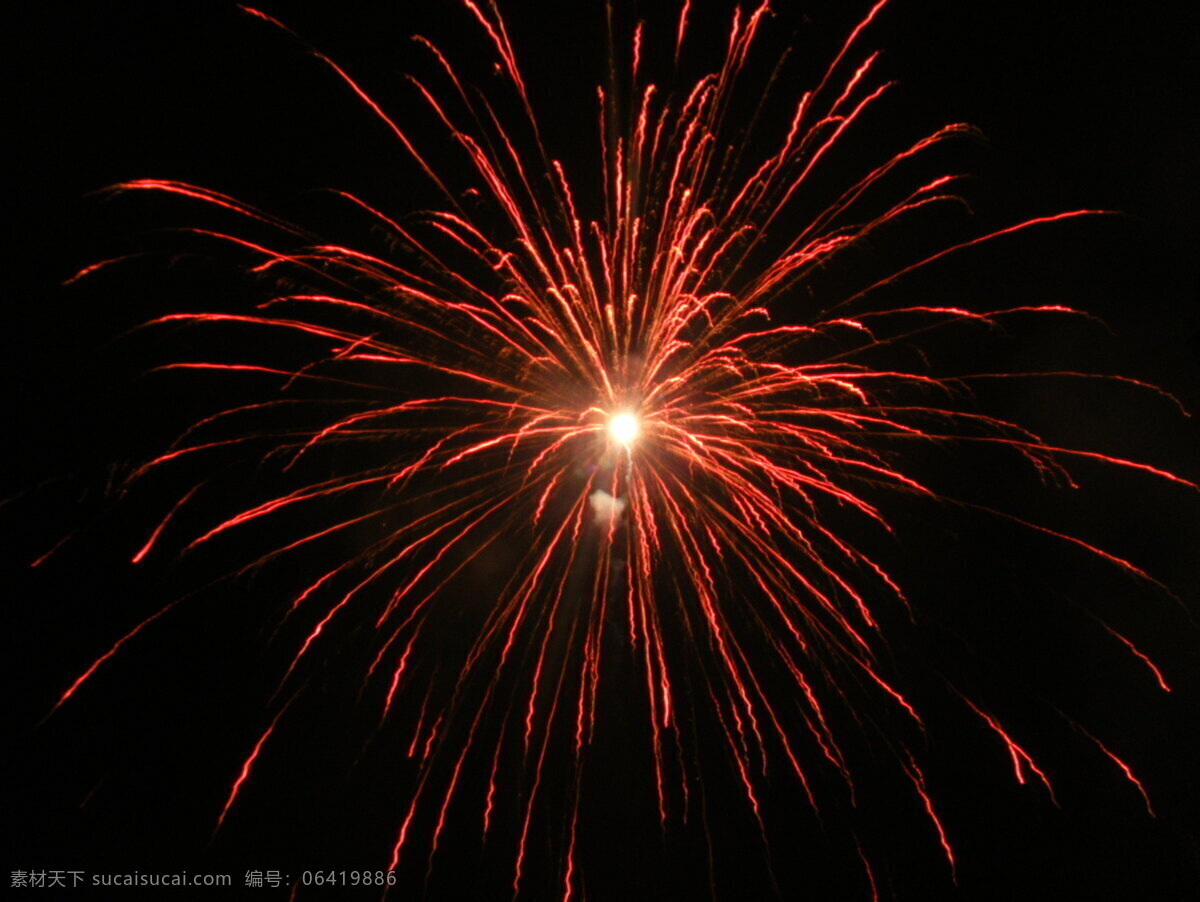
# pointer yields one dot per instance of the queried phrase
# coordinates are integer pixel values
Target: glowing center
(624, 428)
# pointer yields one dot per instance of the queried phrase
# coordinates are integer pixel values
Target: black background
(1079, 108)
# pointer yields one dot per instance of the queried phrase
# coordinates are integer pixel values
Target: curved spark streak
(244, 774)
(750, 435)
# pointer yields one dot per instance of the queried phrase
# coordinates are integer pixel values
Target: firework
(637, 406)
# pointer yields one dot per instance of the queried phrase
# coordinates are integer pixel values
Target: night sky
(1076, 109)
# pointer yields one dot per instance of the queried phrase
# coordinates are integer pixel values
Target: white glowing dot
(624, 428)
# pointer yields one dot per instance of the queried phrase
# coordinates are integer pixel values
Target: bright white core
(624, 428)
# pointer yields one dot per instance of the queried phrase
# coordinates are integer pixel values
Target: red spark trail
(1162, 683)
(87, 674)
(247, 765)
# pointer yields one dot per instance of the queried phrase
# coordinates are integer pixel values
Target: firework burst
(635, 402)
